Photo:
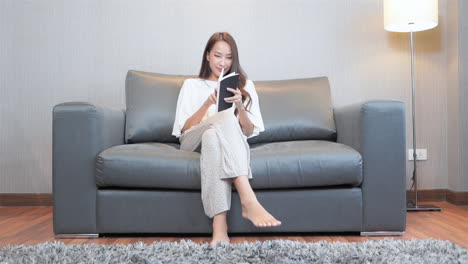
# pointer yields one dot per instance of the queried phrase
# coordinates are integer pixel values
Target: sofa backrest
(298, 109)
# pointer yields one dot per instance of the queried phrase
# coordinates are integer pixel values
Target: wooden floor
(32, 225)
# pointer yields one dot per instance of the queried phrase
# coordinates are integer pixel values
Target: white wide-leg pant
(225, 154)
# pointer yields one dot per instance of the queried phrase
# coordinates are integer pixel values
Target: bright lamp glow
(410, 15)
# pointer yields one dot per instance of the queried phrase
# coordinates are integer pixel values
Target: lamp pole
(415, 206)
(414, 117)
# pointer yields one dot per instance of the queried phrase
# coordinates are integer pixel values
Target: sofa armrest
(80, 131)
(377, 129)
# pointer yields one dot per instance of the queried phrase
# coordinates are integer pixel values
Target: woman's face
(219, 57)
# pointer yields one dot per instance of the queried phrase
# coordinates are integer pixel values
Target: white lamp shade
(410, 15)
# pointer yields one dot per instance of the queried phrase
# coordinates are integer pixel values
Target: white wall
(453, 98)
(461, 180)
(55, 51)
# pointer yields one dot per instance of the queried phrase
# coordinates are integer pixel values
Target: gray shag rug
(386, 250)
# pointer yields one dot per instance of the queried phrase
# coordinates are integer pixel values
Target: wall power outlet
(421, 154)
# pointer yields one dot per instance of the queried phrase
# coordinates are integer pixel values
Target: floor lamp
(412, 16)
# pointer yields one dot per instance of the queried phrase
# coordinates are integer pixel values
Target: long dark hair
(205, 70)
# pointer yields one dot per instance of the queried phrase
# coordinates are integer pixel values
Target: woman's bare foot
(255, 212)
(218, 238)
(251, 208)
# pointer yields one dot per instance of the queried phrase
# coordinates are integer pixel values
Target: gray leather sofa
(316, 168)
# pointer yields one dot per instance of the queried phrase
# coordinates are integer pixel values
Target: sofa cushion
(306, 163)
(151, 101)
(299, 109)
(290, 164)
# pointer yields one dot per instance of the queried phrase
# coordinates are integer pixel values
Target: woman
(221, 136)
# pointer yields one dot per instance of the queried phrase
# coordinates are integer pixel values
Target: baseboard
(45, 199)
(434, 195)
(439, 195)
(25, 199)
(457, 198)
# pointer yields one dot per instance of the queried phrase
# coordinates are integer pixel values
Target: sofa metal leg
(76, 236)
(382, 233)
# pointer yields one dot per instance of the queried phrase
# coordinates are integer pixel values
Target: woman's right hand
(212, 98)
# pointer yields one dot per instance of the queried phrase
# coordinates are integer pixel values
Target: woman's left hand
(237, 98)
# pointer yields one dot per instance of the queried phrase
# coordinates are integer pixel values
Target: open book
(231, 80)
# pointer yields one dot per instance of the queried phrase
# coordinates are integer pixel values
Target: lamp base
(422, 207)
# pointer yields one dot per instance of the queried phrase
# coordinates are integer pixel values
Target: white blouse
(194, 93)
